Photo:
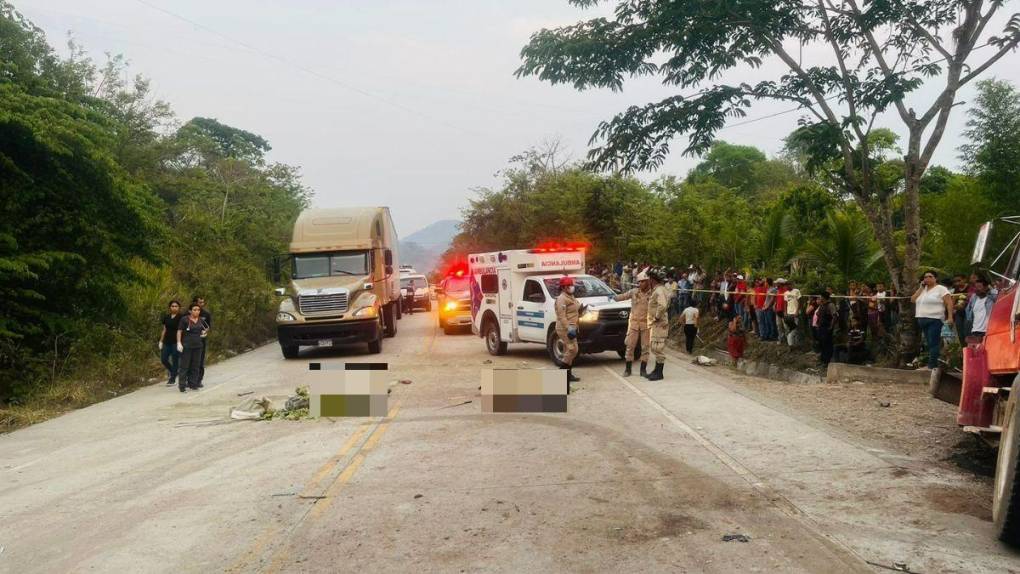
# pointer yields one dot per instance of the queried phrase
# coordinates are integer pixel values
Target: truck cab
(513, 295)
(989, 401)
(343, 285)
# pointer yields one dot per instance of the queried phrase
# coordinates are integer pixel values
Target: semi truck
(991, 371)
(344, 282)
(512, 297)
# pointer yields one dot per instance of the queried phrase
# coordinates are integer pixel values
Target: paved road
(637, 476)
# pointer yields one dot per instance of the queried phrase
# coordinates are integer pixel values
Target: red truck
(987, 404)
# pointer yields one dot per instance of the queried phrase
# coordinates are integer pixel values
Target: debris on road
(246, 393)
(456, 405)
(704, 361)
(737, 537)
(405, 381)
(418, 495)
(251, 409)
(896, 567)
(884, 403)
(298, 401)
(487, 362)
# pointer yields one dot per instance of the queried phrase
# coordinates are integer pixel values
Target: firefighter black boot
(644, 369)
(656, 375)
(626, 371)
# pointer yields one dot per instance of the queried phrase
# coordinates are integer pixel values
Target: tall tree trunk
(907, 280)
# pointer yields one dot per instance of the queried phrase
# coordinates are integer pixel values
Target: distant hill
(423, 248)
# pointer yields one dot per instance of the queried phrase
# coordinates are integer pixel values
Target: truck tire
(290, 351)
(492, 338)
(390, 320)
(375, 347)
(554, 347)
(400, 308)
(1006, 493)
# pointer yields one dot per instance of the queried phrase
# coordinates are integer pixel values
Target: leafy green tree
(993, 129)
(880, 52)
(845, 250)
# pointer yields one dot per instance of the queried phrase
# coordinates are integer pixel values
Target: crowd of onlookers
(852, 326)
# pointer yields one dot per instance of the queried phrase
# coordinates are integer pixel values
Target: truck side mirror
(277, 270)
(388, 259)
(981, 245)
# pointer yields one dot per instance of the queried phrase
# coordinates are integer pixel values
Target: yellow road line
(331, 463)
(321, 505)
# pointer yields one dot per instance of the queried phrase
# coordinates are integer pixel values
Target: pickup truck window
(584, 286)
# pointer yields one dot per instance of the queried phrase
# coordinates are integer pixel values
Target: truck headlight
(590, 316)
(450, 306)
(282, 317)
(369, 311)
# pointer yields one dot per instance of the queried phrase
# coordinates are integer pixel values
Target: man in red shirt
(760, 292)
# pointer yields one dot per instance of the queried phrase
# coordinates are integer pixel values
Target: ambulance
(512, 297)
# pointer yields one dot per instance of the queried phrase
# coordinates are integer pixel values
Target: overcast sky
(406, 103)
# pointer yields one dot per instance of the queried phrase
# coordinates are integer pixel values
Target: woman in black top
(168, 354)
(190, 336)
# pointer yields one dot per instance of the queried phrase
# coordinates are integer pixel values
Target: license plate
(325, 342)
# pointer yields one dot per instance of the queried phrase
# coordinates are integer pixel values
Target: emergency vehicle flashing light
(557, 247)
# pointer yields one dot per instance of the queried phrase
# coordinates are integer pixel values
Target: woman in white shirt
(932, 304)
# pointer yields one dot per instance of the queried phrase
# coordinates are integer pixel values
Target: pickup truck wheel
(390, 320)
(622, 353)
(1006, 495)
(492, 339)
(400, 308)
(555, 348)
(290, 351)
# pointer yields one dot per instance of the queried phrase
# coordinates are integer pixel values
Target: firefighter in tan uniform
(658, 322)
(637, 324)
(568, 311)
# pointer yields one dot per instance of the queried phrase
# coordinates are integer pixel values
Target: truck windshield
(329, 264)
(584, 286)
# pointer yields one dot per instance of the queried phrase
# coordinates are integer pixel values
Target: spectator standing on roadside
(625, 281)
(979, 308)
(191, 335)
(825, 328)
(792, 299)
(933, 303)
(689, 319)
(760, 292)
(961, 297)
(781, 290)
(770, 312)
(875, 325)
(207, 319)
(740, 299)
(736, 339)
(168, 353)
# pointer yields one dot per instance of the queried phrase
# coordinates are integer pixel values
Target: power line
(305, 69)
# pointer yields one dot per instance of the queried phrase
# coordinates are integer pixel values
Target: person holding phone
(933, 304)
(191, 343)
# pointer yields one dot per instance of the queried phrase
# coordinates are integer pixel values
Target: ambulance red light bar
(458, 269)
(557, 247)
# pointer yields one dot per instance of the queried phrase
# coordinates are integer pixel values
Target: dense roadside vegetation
(739, 209)
(110, 206)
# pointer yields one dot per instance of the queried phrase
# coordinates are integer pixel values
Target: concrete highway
(635, 477)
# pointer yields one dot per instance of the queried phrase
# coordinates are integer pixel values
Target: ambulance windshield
(584, 286)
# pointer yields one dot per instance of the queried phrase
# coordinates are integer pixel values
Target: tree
(844, 251)
(880, 50)
(993, 129)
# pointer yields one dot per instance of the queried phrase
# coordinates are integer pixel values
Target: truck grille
(329, 304)
(614, 314)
